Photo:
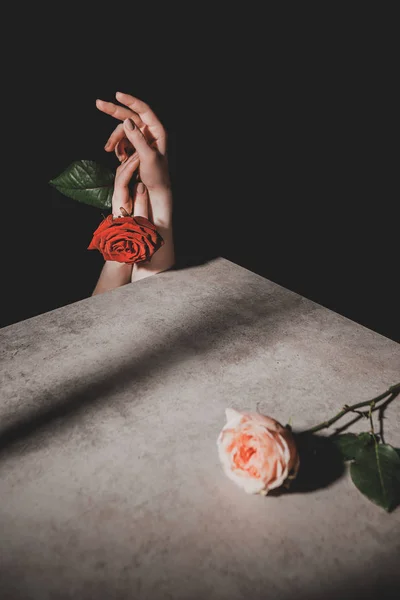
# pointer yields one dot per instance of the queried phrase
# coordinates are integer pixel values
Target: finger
(141, 201)
(117, 135)
(119, 112)
(148, 117)
(139, 107)
(136, 137)
(126, 170)
(121, 168)
(124, 149)
(120, 151)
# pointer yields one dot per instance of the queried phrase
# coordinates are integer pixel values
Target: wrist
(161, 204)
(121, 266)
(161, 192)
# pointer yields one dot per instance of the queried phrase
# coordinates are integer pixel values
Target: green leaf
(350, 444)
(376, 473)
(87, 182)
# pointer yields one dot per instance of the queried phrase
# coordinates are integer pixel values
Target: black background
(285, 166)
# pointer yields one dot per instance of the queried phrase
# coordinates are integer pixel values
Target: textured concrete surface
(110, 485)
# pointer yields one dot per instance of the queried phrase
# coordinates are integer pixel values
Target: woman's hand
(143, 134)
(140, 143)
(122, 203)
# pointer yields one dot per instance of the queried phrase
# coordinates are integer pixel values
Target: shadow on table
(380, 582)
(197, 334)
(377, 583)
(321, 463)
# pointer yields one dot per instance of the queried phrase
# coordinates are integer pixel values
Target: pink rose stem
(392, 392)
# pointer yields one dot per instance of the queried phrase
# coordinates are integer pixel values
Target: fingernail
(129, 124)
(141, 188)
(107, 146)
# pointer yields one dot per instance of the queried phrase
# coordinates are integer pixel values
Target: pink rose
(257, 452)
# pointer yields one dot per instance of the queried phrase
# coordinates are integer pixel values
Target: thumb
(136, 137)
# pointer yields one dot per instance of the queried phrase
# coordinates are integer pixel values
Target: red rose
(126, 239)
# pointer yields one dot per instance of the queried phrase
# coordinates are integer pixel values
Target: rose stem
(393, 390)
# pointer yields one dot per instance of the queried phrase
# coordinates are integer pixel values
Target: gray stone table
(110, 483)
